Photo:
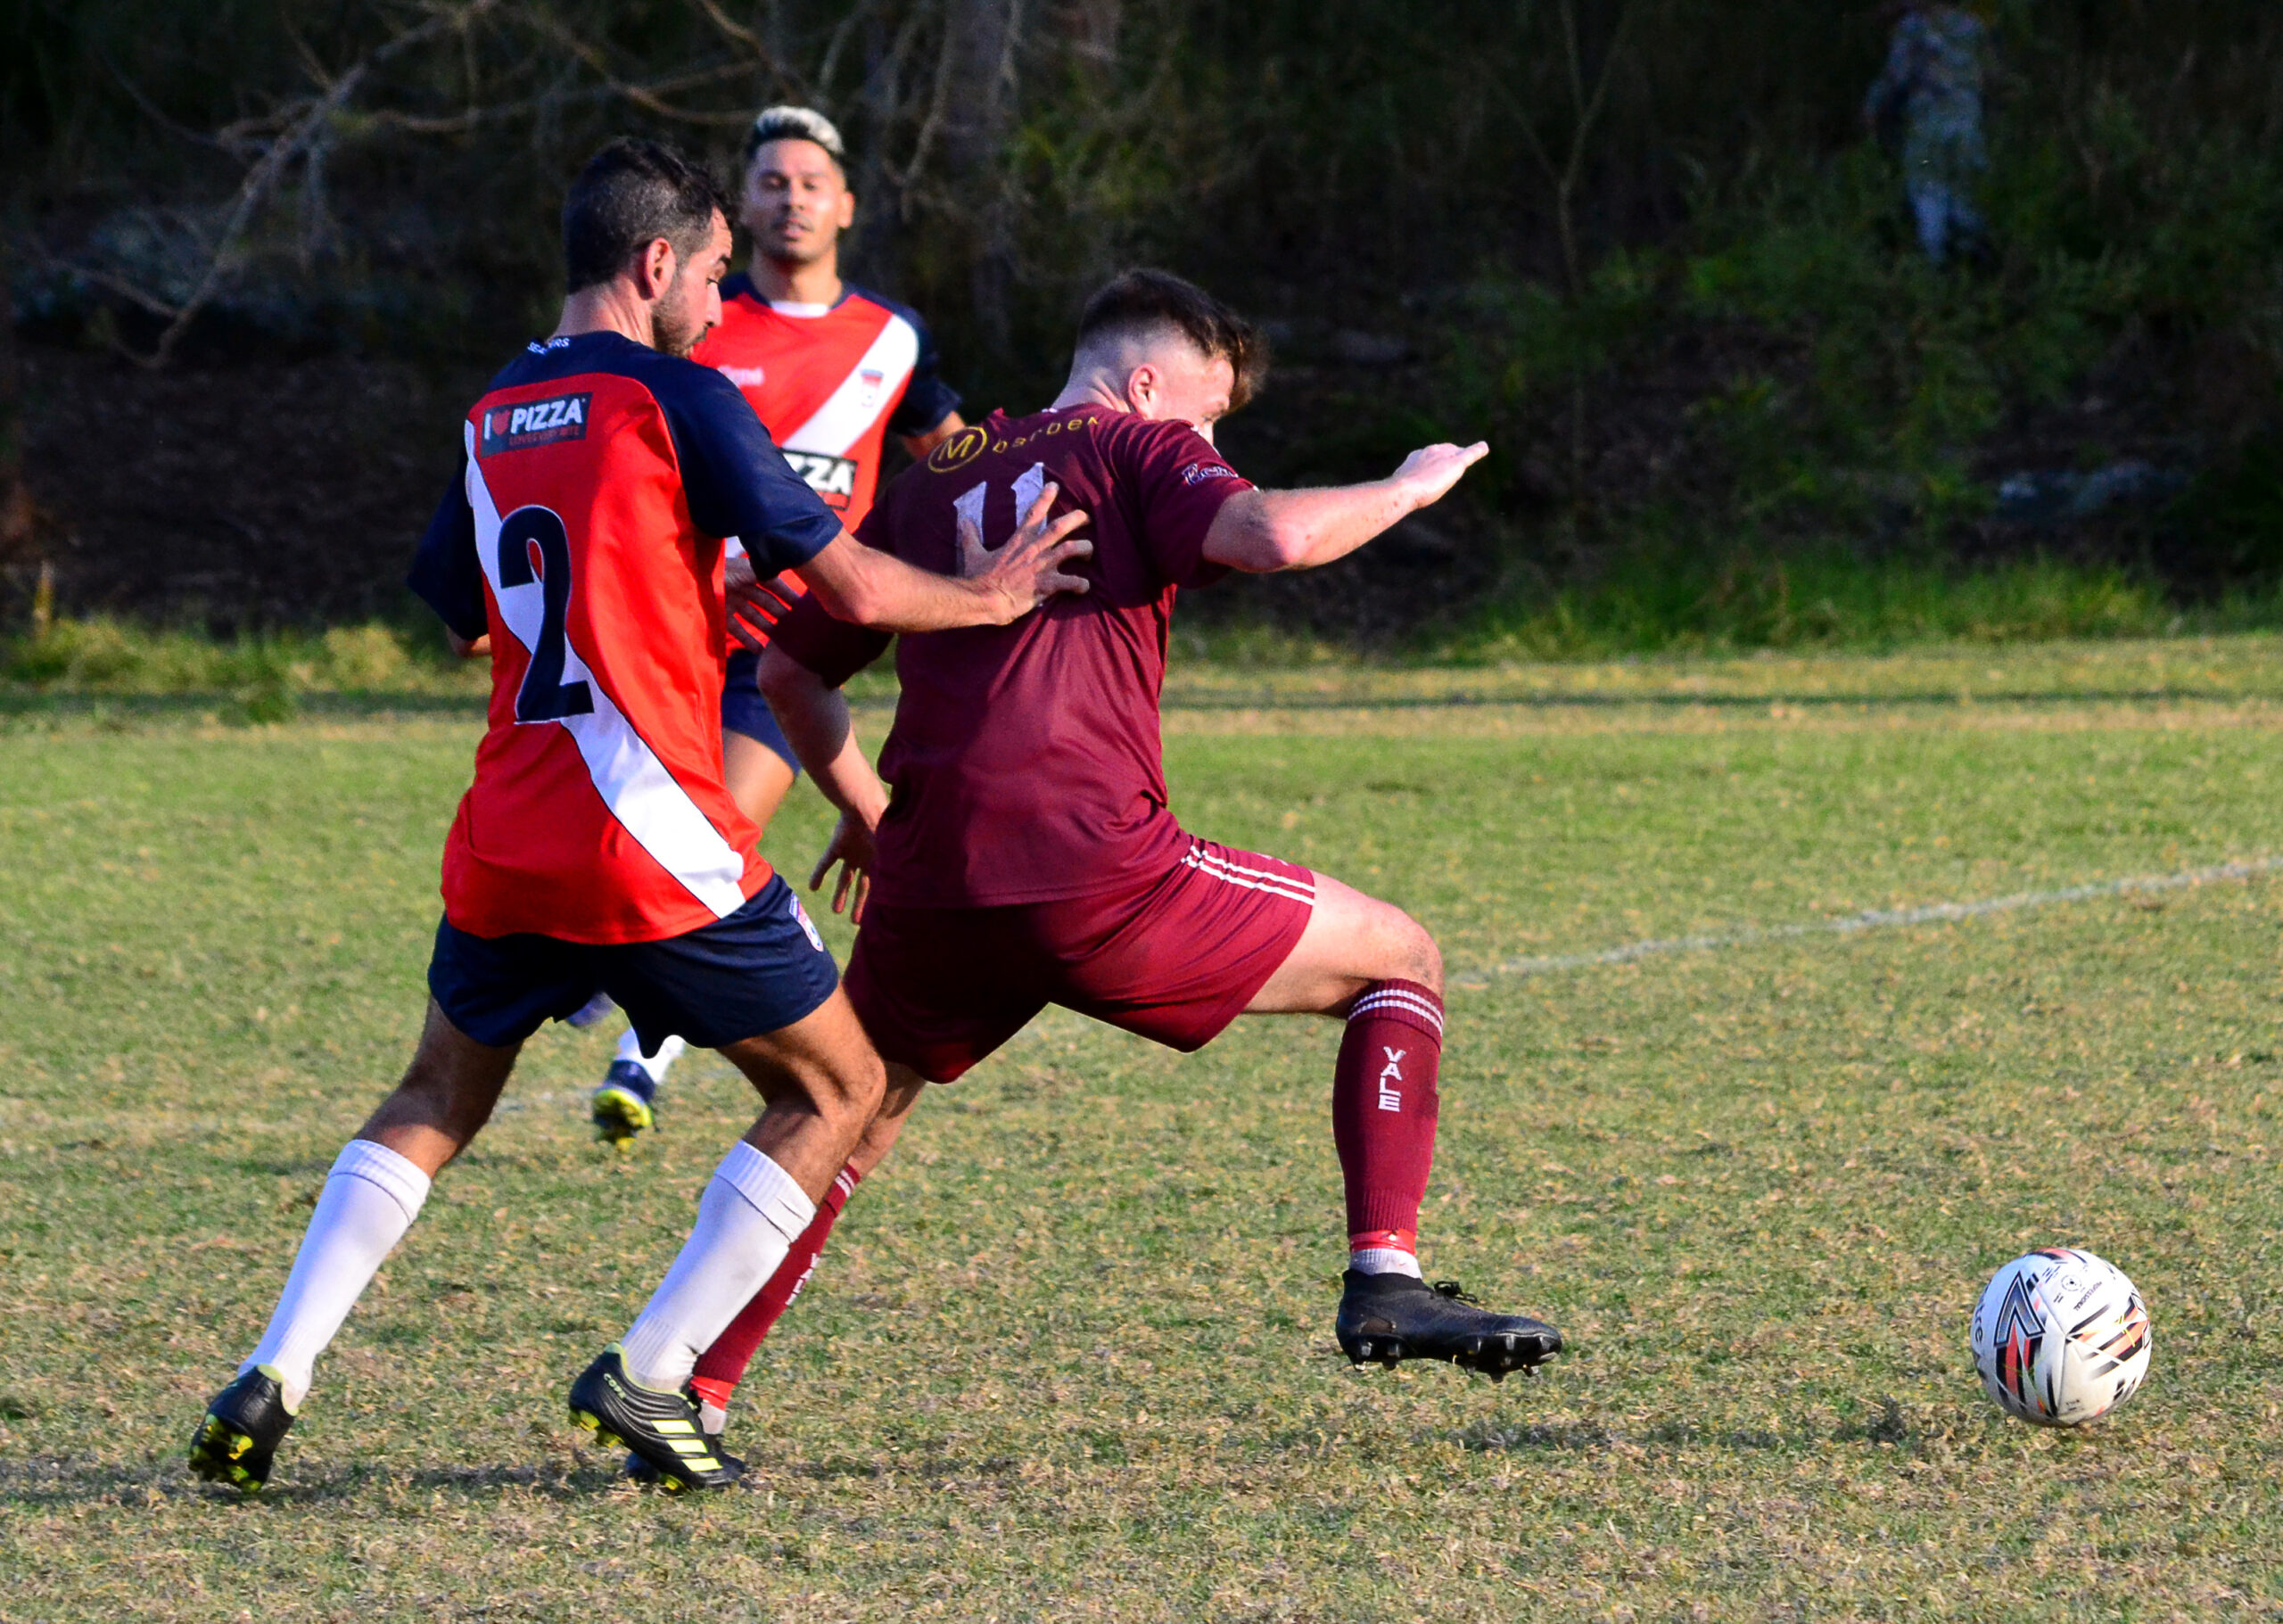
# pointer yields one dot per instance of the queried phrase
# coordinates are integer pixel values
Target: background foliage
(1643, 246)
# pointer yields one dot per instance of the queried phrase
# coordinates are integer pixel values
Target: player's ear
(1142, 386)
(845, 216)
(654, 267)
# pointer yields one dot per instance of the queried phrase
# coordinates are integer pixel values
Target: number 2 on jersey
(544, 696)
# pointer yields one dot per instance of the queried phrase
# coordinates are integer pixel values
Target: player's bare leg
(822, 1084)
(757, 777)
(758, 780)
(375, 1190)
(1373, 964)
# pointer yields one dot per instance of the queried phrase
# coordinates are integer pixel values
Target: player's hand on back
(1026, 570)
(1428, 473)
(754, 604)
(851, 847)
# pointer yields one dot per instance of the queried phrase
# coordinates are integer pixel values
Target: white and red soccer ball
(2060, 1337)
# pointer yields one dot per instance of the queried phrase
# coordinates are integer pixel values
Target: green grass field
(1070, 1355)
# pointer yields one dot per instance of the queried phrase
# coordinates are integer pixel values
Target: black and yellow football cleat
(639, 1470)
(1385, 1319)
(621, 1106)
(662, 1428)
(239, 1436)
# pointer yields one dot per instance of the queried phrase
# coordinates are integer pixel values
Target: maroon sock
(721, 1367)
(1383, 1103)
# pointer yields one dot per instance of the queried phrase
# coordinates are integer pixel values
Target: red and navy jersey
(830, 381)
(585, 535)
(1025, 760)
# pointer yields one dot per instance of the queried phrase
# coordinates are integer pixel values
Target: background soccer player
(597, 849)
(831, 370)
(1028, 855)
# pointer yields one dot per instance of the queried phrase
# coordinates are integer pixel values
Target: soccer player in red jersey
(1027, 855)
(598, 849)
(831, 370)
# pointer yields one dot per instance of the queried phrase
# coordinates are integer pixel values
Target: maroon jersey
(1026, 761)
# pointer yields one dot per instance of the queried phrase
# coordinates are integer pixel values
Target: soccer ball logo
(2060, 1337)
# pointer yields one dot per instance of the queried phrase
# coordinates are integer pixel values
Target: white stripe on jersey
(633, 781)
(1252, 880)
(857, 404)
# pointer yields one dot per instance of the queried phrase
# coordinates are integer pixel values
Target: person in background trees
(1930, 95)
(831, 370)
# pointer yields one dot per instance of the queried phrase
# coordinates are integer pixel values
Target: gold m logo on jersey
(960, 450)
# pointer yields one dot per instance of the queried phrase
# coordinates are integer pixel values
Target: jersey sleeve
(827, 645)
(928, 399)
(446, 573)
(738, 482)
(1181, 482)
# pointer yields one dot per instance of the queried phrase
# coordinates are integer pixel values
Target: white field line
(1878, 918)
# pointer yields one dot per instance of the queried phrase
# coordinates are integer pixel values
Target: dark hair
(1136, 301)
(630, 195)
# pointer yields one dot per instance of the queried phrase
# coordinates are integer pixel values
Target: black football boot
(662, 1428)
(239, 1436)
(640, 1471)
(1385, 1319)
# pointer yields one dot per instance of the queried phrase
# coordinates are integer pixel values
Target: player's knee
(1416, 951)
(879, 1136)
(847, 1093)
(439, 1097)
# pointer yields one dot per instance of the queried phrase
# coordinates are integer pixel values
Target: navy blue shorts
(745, 711)
(760, 969)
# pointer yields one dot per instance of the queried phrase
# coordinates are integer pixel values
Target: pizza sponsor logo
(534, 423)
(833, 478)
(1198, 473)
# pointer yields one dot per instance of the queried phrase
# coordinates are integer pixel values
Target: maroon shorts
(1174, 960)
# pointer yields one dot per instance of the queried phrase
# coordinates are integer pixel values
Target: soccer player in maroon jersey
(597, 849)
(831, 369)
(1027, 855)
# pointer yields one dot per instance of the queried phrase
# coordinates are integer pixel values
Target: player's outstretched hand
(754, 605)
(1429, 473)
(851, 847)
(1026, 570)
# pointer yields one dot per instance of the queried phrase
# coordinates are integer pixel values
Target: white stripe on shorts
(1251, 879)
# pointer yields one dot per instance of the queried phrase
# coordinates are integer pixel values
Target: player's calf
(1373, 964)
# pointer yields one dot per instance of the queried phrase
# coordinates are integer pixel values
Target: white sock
(370, 1199)
(630, 1048)
(1384, 1260)
(748, 1218)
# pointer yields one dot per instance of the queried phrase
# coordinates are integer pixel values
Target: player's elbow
(785, 683)
(1260, 536)
(861, 594)
(1289, 545)
(1274, 541)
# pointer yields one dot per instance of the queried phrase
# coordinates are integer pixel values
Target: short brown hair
(1138, 300)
